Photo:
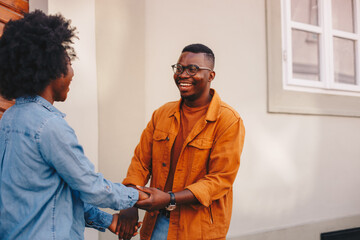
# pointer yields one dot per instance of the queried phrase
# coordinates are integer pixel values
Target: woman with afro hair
(48, 188)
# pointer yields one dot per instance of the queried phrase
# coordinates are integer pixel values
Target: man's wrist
(112, 226)
(172, 203)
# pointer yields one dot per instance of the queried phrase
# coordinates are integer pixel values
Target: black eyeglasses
(190, 69)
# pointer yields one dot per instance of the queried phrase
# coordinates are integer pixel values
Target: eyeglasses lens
(177, 68)
(192, 70)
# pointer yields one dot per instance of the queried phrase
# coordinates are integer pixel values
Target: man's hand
(114, 221)
(157, 200)
(143, 196)
(127, 223)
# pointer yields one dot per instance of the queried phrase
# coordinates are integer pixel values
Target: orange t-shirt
(188, 118)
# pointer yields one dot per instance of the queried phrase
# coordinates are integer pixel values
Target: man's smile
(184, 86)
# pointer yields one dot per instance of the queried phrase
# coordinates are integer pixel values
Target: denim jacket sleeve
(95, 218)
(59, 147)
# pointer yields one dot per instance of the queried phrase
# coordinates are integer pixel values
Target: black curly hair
(34, 51)
(201, 48)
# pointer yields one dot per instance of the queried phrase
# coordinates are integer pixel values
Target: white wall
(120, 46)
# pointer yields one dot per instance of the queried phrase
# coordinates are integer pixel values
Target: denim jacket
(48, 188)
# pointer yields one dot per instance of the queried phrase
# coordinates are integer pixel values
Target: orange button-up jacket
(207, 166)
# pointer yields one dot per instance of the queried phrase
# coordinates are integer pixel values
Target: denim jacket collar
(42, 101)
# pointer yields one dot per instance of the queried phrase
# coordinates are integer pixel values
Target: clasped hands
(126, 223)
(152, 199)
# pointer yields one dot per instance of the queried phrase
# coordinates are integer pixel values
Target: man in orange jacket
(191, 151)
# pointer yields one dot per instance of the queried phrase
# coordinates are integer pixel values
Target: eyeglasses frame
(185, 68)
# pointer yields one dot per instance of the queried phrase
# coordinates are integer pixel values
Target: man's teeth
(185, 84)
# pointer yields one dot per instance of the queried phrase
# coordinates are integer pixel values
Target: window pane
(344, 61)
(343, 15)
(305, 11)
(305, 55)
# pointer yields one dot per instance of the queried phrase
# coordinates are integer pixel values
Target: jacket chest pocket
(199, 153)
(160, 149)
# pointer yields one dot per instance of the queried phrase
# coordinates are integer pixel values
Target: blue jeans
(161, 228)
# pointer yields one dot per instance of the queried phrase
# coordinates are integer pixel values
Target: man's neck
(198, 102)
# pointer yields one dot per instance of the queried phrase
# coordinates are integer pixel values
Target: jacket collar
(212, 112)
(41, 101)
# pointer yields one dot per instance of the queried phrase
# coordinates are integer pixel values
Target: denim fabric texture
(161, 228)
(48, 188)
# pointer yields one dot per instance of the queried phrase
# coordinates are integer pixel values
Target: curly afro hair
(34, 51)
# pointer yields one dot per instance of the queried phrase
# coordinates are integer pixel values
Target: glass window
(304, 11)
(321, 42)
(313, 67)
(343, 15)
(305, 55)
(344, 61)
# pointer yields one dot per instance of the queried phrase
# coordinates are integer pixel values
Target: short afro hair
(201, 48)
(34, 51)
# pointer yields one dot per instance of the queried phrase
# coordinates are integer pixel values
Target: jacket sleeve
(223, 165)
(59, 147)
(95, 218)
(140, 167)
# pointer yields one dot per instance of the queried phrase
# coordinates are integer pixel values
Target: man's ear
(212, 76)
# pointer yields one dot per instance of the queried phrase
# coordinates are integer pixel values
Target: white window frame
(327, 84)
(289, 101)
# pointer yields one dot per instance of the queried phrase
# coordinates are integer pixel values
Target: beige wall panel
(120, 41)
